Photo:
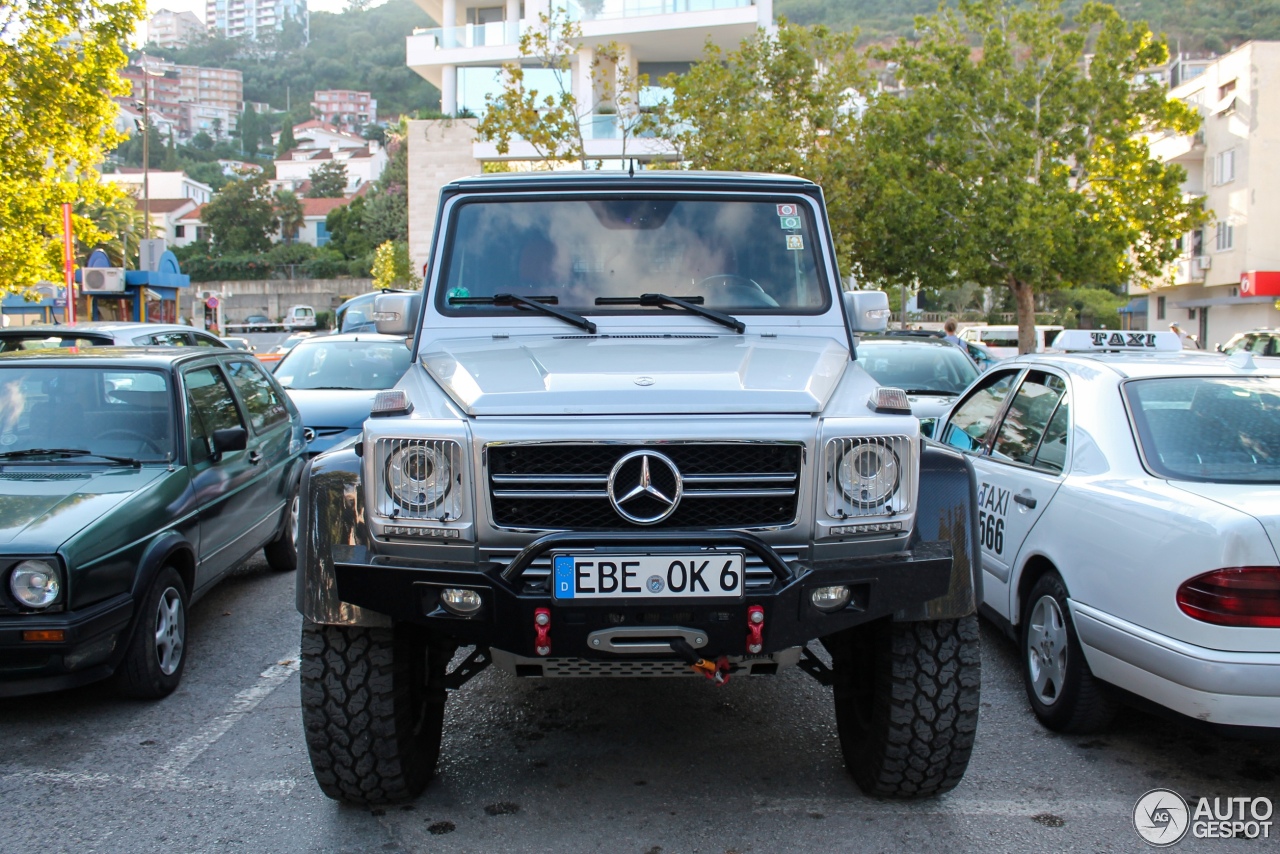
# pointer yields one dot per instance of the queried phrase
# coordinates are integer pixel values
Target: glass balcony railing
(472, 35)
(599, 10)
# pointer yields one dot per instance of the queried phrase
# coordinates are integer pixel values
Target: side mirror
(397, 314)
(867, 311)
(229, 439)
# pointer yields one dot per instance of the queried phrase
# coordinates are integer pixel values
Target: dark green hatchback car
(131, 481)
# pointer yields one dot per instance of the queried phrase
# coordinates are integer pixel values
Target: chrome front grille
(561, 486)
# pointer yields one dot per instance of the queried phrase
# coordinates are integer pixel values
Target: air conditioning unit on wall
(102, 280)
(1204, 262)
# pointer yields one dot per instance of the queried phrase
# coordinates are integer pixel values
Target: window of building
(322, 233)
(1159, 308)
(1226, 89)
(179, 231)
(1224, 166)
(1226, 236)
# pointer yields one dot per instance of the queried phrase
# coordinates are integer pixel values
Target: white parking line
(168, 775)
(242, 704)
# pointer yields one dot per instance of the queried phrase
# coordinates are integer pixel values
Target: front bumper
(92, 637)
(409, 591)
(1215, 686)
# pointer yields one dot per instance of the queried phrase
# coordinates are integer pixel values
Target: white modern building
(464, 56)
(1228, 278)
(364, 165)
(317, 134)
(160, 185)
(254, 18)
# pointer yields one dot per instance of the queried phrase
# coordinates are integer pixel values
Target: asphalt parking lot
(574, 766)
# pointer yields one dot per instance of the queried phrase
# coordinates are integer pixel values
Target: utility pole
(146, 148)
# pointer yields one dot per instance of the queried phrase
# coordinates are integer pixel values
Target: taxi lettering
(1127, 339)
(993, 504)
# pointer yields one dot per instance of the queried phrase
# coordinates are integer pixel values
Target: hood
(41, 507)
(1259, 500)
(638, 374)
(335, 415)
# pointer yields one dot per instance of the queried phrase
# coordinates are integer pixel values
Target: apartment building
(464, 56)
(364, 165)
(174, 29)
(194, 97)
(254, 18)
(1228, 278)
(345, 108)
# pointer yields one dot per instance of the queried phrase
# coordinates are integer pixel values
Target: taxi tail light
(1244, 596)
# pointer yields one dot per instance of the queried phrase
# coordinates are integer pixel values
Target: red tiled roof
(192, 215)
(165, 205)
(320, 207)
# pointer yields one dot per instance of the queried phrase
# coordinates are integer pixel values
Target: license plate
(665, 576)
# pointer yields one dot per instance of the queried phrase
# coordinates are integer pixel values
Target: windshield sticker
(795, 241)
(457, 292)
(789, 223)
(788, 210)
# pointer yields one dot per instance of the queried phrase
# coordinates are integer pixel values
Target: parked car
(239, 344)
(334, 379)
(1002, 341)
(1259, 342)
(930, 370)
(276, 353)
(299, 317)
(980, 353)
(356, 314)
(105, 334)
(133, 480)
(258, 323)
(1129, 500)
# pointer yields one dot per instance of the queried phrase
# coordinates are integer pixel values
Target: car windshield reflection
(363, 365)
(918, 369)
(112, 412)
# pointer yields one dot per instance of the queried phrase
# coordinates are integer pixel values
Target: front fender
(332, 514)
(948, 511)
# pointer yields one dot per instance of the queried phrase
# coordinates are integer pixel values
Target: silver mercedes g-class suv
(634, 442)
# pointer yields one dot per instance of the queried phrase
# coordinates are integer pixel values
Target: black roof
(649, 179)
(134, 357)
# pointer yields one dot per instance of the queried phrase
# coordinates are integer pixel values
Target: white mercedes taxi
(1129, 498)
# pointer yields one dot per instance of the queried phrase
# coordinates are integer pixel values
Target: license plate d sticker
(648, 576)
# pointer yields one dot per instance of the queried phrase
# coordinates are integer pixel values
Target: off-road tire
(906, 698)
(1083, 703)
(141, 671)
(373, 710)
(282, 552)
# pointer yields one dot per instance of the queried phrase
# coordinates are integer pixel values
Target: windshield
(344, 365)
(115, 411)
(37, 340)
(1217, 429)
(737, 256)
(918, 368)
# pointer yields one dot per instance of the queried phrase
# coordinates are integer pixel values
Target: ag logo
(1161, 817)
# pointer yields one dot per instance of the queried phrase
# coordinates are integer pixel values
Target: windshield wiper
(68, 452)
(689, 304)
(541, 304)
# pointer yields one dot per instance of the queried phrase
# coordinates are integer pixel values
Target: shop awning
(1223, 300)
(1137, 305)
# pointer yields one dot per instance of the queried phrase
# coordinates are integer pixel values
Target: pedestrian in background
(950, 328)
(1188, 343)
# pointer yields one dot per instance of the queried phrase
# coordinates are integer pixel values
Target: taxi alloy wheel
(1063, 692)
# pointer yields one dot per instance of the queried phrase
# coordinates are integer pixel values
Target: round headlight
(418, 477)
(868, 474)
(34, 583)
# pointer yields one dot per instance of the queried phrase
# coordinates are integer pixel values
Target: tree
(217, 128)
(347, 232)
(1020, 164)
(242, 217)
(784, 102)
(59, 60)
(290, 215)
(287, 143)
(391, 267)
(250, 131)
(328, 181)
(553, 123)
(124, 225)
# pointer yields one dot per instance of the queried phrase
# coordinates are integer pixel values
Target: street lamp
(146, 146)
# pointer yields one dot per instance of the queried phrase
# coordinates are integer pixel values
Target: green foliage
(1012, 166)
(59, 63)
(392, 267)
(552, 122)
(242, 217)
(1195, 24)
(347, 234)
(287, 142)
(1091, 308)
(357, 49)
(780, 103)
(328, 181)
(289, 214)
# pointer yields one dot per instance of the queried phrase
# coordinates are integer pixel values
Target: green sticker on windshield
(789, 223)
(457, 292)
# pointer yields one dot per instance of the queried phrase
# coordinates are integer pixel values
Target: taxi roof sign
(1102, 340)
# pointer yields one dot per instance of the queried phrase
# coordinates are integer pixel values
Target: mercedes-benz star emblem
(645, 487)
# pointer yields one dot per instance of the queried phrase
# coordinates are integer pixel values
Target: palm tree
(124, 221)
(289, 212)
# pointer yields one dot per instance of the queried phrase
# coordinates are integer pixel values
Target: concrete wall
(273, 297)
(439, 152)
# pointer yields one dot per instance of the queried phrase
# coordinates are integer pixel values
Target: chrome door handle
(255, 457)
(1025, 500)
